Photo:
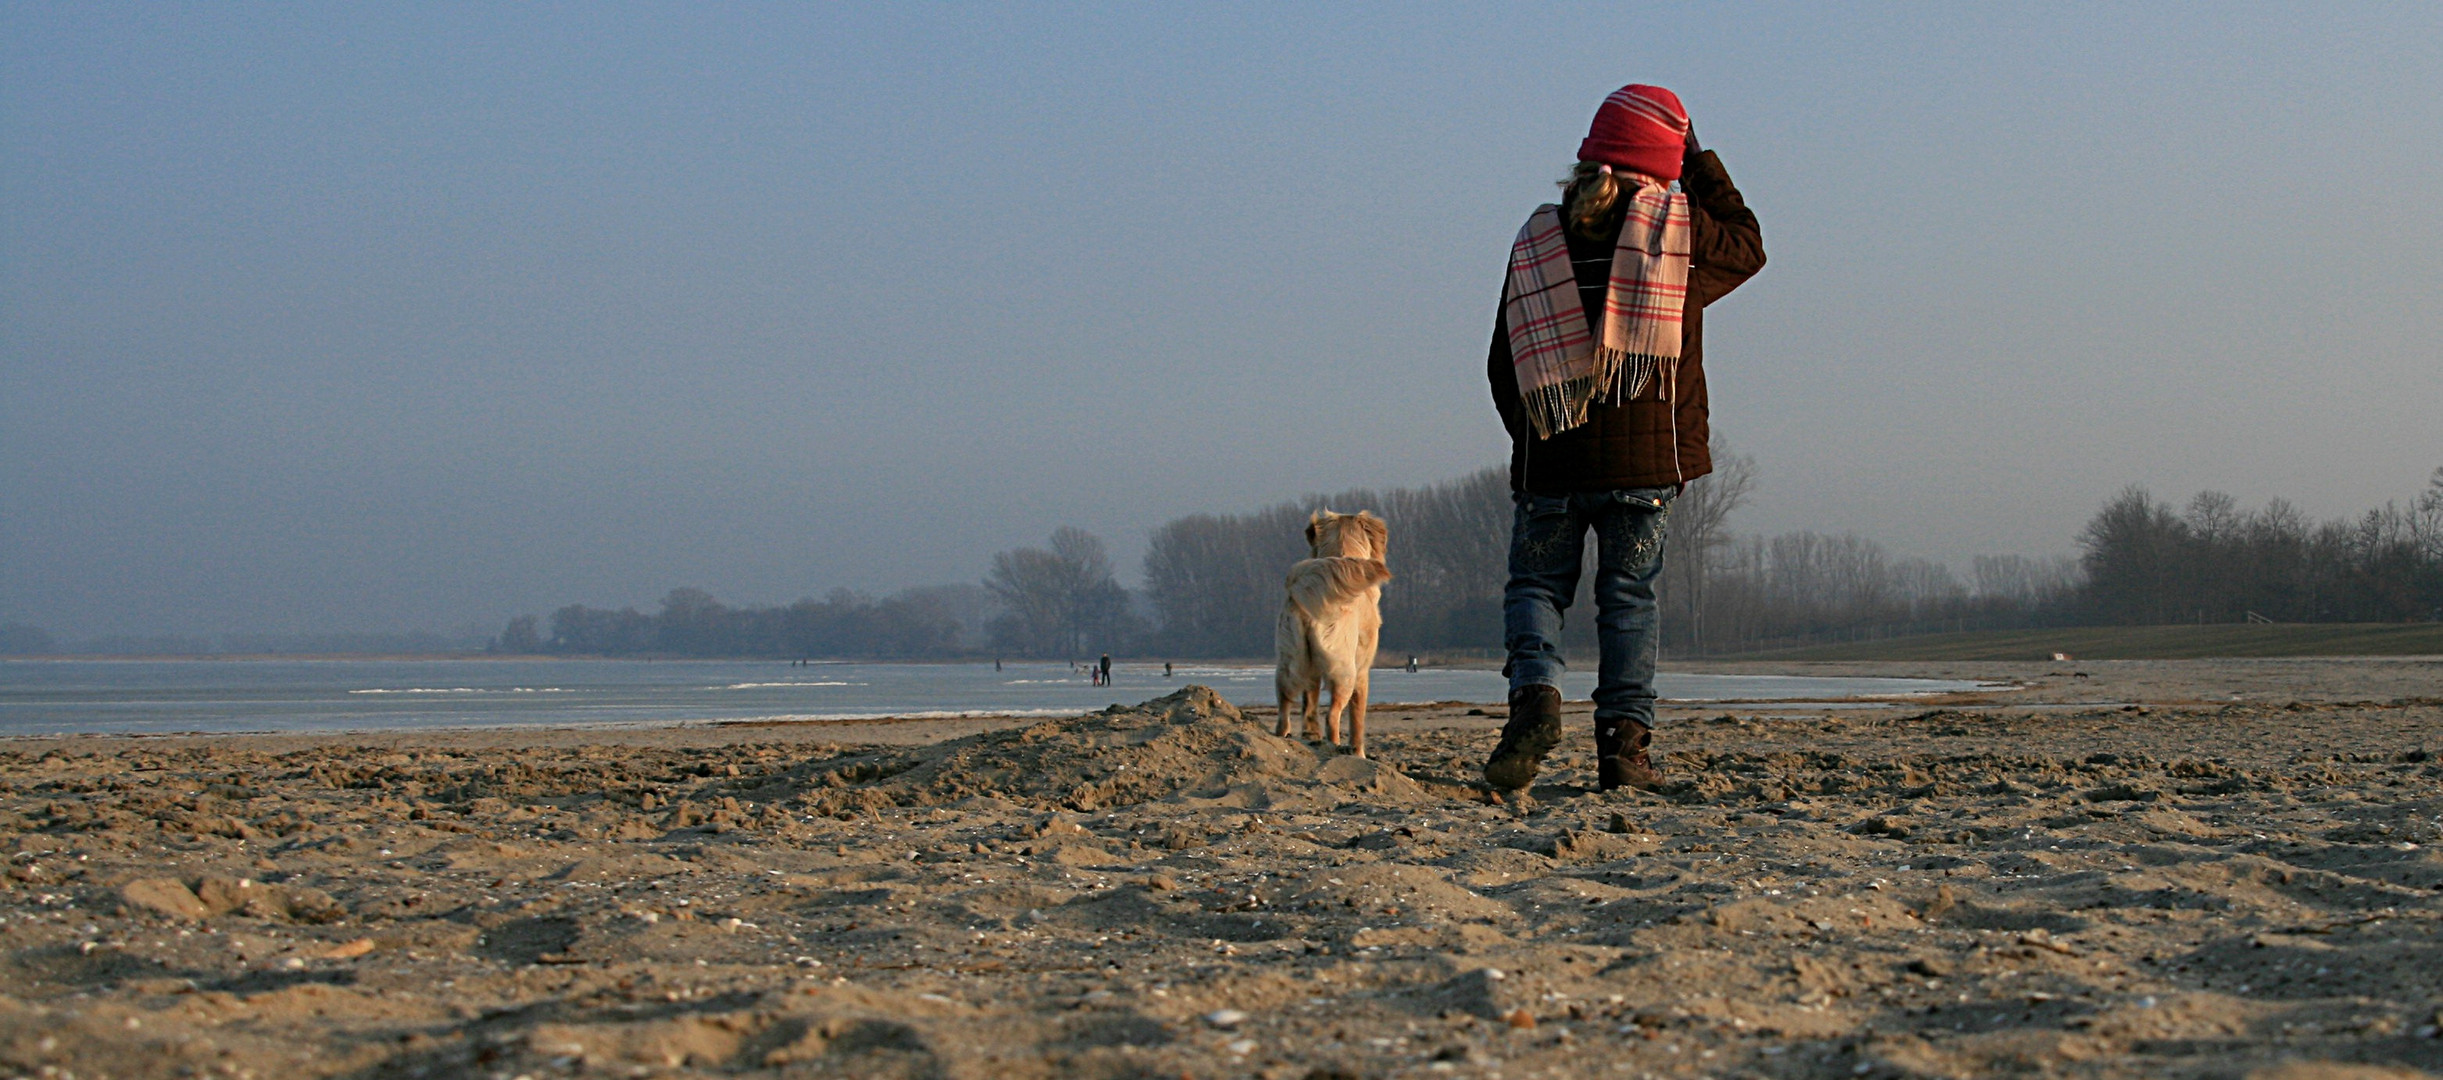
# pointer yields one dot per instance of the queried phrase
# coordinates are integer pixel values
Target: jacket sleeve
(1729, 243)
(1499, 372)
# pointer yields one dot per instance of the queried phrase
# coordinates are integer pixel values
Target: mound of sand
(2148, 880)
(1185, 746)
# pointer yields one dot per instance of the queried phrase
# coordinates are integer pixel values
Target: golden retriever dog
(1329, 623)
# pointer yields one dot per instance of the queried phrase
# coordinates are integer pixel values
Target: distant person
(1166, 669)
(996, 663)
(1104, 666)
(1412, 664)
(1597, 370)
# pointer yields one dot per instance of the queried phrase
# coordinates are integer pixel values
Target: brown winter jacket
(1646, 442)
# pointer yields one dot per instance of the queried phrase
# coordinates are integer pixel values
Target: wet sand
(2163, 868)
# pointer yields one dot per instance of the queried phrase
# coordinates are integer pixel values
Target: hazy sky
(334, 317)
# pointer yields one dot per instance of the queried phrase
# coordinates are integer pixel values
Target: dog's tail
(1315, 585)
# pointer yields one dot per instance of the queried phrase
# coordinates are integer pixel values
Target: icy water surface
(58, 696)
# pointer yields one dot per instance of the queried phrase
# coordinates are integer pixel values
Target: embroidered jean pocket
(1638, 498)
(1544, 538)
(1639, 532)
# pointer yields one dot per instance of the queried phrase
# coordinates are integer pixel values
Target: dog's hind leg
(1280, 727)
(1331, 720)
(1307, 700)
(1357, 713)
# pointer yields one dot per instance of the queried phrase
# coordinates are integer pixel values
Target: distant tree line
(1061, 600)
(1805, 587)
(1212, 586)
(2214, 562)
(2140, 563)
(691, 623)
(1213, 581)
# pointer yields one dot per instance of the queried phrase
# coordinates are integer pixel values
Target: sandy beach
(2122, 869)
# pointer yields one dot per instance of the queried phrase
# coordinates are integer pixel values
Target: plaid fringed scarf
(1561, 368)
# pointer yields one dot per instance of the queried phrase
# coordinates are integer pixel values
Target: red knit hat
(1639, 128)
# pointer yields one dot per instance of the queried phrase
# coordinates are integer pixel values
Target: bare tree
(1215, 580)
(965, 604)
(2019, 581)
(1060, 599)
(519, 638)
(2219, 563)
(2426, 521)
(1700, 520)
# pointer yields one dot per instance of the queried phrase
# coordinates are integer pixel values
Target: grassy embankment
(2141, 643)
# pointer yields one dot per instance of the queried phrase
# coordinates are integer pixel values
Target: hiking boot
(1620, 756)
(1534, 729)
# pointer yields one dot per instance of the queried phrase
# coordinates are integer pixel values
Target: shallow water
(64, 696)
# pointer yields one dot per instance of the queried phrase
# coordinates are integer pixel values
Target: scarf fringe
(1634, 371)
(1557, 407)
(1561, 372)
(1618, 378)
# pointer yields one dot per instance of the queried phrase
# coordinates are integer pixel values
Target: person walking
(1597, 369)
(1104, 666)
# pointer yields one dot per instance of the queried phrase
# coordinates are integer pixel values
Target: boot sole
(1516, 769)
(1647, 779)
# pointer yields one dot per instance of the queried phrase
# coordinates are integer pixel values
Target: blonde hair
(1588, 195)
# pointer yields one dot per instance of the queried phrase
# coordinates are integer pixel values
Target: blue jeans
(1547, 547)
